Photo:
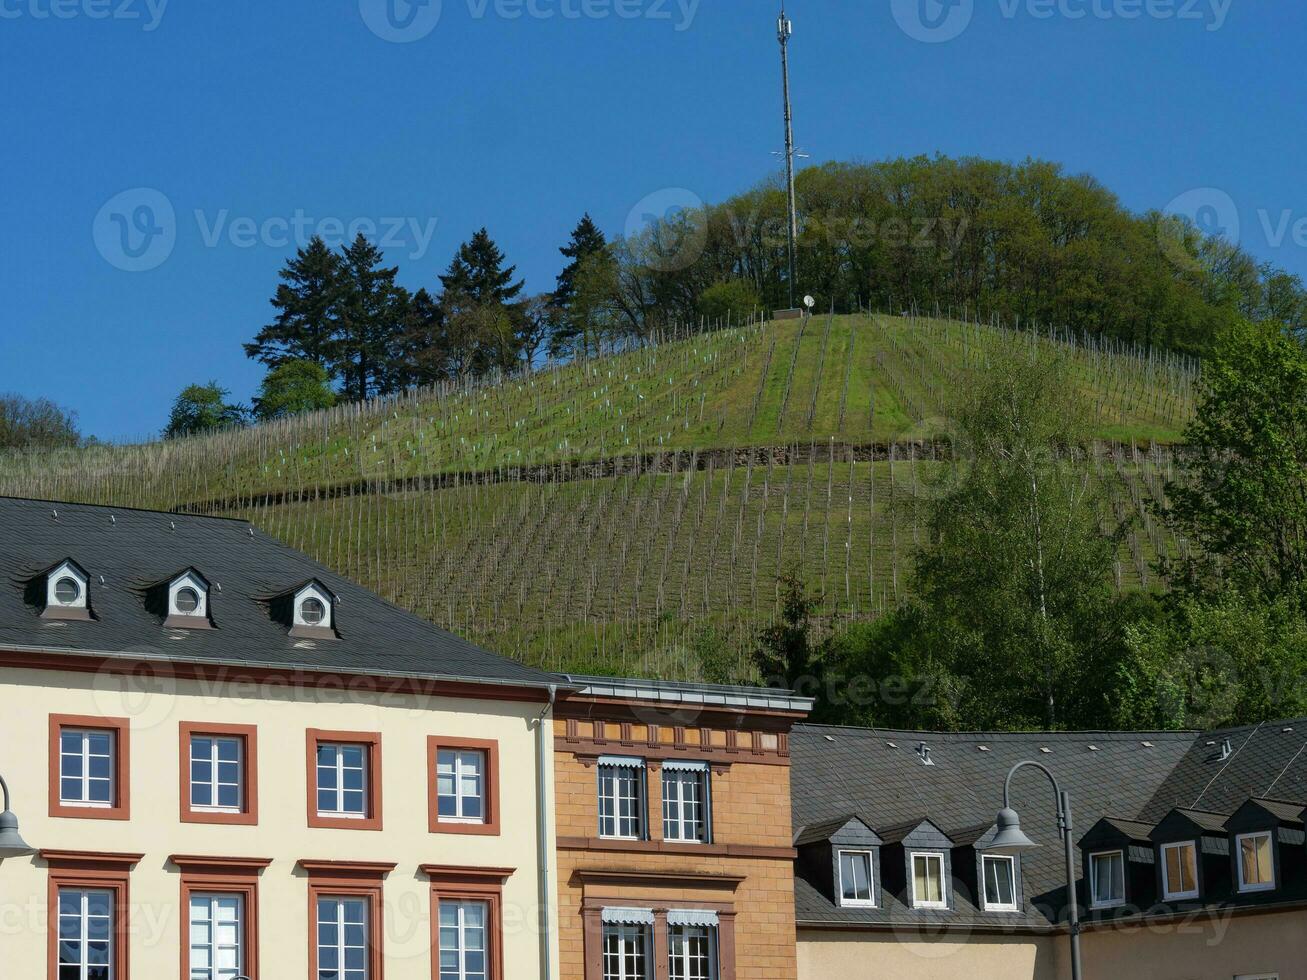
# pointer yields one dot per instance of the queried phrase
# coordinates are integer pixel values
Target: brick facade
(745, 874)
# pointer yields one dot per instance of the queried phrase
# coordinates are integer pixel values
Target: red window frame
(249, 734)
(121, 730)
(490, 825)
(227, 876)
(98, 870)
(372, 819)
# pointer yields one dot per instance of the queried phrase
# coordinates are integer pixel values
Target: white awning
(691, 917)
(628, 917)
(624, 761)
(676, 765)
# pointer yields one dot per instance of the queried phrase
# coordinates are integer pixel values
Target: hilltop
(633, 512)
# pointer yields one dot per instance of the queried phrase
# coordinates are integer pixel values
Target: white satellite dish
(809, 302)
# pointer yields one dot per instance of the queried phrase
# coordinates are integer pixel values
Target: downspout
(544, 753)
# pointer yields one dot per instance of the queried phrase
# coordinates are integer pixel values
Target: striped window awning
(627, 917)
(676, 765)
(621, 761)
(692, 917)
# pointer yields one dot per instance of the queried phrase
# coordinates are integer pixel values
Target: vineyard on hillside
(633, 513)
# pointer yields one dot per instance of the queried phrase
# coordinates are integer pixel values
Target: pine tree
(307, 302)
(477, 273)
(587, 240)
(373, 312)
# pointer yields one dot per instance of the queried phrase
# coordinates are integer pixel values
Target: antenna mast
(784, 29)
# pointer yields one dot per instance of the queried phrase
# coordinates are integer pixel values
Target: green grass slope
(633, 513)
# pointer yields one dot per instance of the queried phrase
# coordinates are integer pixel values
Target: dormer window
(857, 881)
(1180, 870)
(1256, 861)
(188, 596)
(312, 607)
(66, 595)
(928, 882)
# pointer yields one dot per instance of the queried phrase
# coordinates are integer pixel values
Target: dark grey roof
(1133, 778)
(133, 550)
(679, 692)
(1134, 829)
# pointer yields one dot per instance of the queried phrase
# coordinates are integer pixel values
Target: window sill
(477, 828)
(672, 847)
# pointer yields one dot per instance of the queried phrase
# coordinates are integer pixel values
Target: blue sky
(254, 122)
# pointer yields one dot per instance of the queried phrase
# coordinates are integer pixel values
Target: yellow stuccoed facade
(282, 714)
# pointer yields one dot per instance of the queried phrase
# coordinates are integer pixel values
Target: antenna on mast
(784, 31)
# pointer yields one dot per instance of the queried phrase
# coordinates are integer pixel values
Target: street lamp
(11, 844)
(1012, 840)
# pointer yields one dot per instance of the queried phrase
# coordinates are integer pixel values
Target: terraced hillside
(634, 512)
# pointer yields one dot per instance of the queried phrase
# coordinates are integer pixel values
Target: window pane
(928, 879)
(1256, 862)
(1000, 889)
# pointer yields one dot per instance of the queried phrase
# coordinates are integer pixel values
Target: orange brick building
(675, 848)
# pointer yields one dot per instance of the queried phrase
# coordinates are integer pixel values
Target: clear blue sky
(522, 114)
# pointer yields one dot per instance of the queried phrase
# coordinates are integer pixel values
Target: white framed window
(928, 886)
(686, 803)
(1107, 879)
(857, 880)
(1180, 870)
(693, 952)
(342, 781)
(1256, 861)
(86, 935)
(216, 936)
(86, 767)
(216, 773)
(342, 938)
(461, 785)
(626, 952)
(999, 873)
(621, 798)
(463, 950)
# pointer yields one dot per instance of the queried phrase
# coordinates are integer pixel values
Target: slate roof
(133, 550)
(1133, 778)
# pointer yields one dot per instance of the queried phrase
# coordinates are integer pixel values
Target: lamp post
(11, 844)
(1011, 840)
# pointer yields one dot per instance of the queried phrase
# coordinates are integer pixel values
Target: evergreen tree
(477, 273)
(307, 304)
(372, 319)
(587, 240)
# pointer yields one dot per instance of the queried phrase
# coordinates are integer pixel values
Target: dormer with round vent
(184, 601)
(67, 594)
(307, 610)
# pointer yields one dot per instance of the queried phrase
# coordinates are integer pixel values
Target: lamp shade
(11, 844)
(1010, 838)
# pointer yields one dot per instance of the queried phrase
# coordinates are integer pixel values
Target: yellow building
(230, 761)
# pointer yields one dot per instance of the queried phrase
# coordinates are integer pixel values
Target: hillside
(633, 512)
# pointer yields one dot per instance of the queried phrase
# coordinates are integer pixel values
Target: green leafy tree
(1242, 494)
(1016, 575)
(293, 387)
(734, 300)
(202, 408)
(39, 423)
(308, 310)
